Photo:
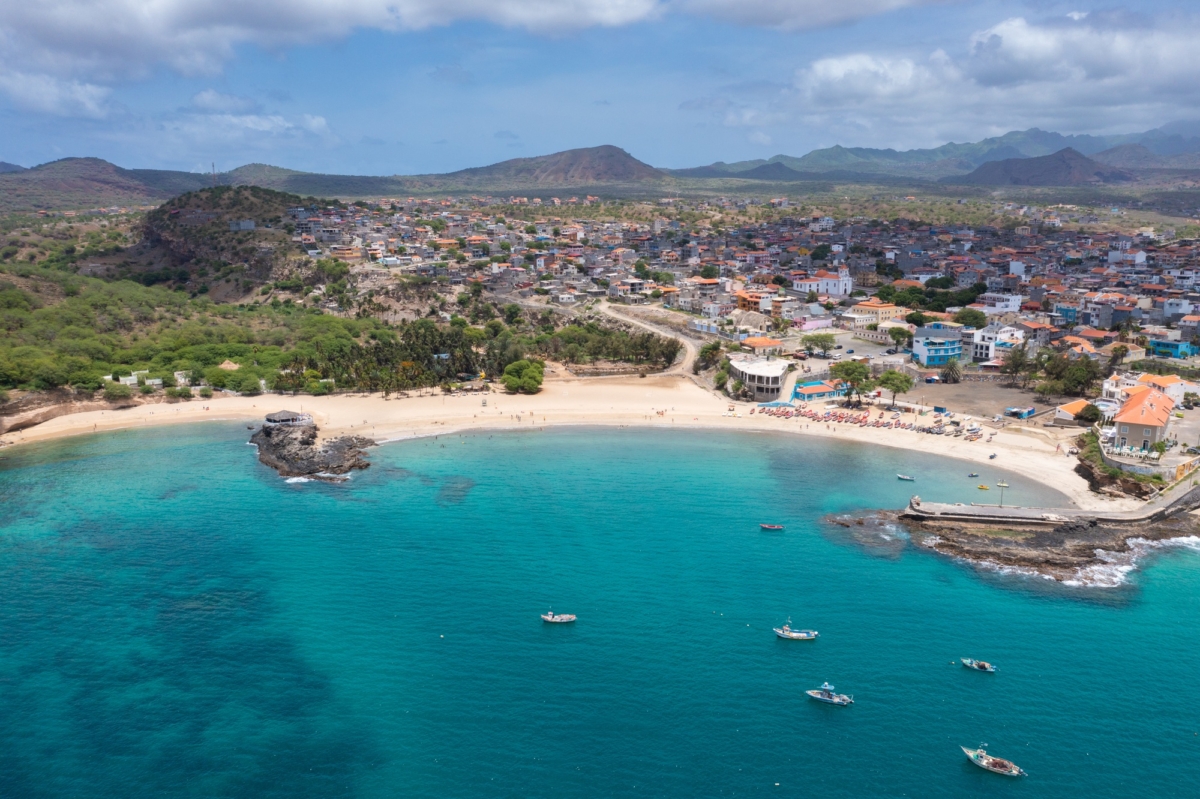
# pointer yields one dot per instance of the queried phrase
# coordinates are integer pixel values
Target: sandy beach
(672, 401)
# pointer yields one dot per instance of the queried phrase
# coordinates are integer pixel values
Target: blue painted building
(1171, 349)
(936, 347)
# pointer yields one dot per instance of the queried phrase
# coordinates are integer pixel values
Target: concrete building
(763, 377)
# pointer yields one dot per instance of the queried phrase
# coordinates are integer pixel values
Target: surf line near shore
(662, 401)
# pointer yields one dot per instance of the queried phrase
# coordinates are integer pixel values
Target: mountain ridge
(1067, 167)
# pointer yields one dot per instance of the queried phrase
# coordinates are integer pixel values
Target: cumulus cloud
(1098, 71)
(106, 40)
(49, 95)
(795, 14)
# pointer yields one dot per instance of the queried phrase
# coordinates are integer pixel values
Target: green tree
(1016, 362)
(512, 312)
(1118, 355)
(856, 375)
(811, 297)
(523, 376)
(709, 271)
(1090, 414)
(899, 336)
(971, 317)
(531, 230)
(896, 382)
(952, 371)
(917, 318)
(820, 342)
(115, 392)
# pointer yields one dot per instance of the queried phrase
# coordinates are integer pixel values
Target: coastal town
(1046, 321)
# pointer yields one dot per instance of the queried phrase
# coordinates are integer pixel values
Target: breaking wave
(1115, 569)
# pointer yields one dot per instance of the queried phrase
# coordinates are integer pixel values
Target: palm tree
(952, 371)
(1118, 354)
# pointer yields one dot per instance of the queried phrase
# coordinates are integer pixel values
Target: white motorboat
(787, 632)
(558, 618)
(827, 694)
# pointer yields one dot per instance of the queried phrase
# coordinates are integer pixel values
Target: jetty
(1157, 509)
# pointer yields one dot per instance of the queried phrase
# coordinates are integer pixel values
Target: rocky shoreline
(293, 451)
(1065, 553)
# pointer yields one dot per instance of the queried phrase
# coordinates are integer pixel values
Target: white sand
(625, 401)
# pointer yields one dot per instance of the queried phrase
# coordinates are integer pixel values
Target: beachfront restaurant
(818, 390)
(761, 376)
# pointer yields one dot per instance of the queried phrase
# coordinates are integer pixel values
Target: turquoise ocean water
(175, 620)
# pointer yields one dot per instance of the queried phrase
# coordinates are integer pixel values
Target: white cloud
(758, 137)
(1080, 72)
(104, 40)
(211, 100)
(49, 95)
(795, 14)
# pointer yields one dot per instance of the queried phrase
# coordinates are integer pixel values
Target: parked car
(849, 352)
(890, 351)
(838, 347)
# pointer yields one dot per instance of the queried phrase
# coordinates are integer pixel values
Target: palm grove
(63, 330)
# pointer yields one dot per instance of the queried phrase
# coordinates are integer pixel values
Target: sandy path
(624, 401)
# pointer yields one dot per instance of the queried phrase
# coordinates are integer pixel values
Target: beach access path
(670, 401)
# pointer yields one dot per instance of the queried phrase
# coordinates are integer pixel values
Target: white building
(763, 377)
(995, 303)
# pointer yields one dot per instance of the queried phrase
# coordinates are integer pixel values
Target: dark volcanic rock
(292, 450)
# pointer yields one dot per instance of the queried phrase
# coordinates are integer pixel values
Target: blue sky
(411, 86)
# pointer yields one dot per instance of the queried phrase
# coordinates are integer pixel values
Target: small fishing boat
(992, 457)
(996, 765)
(973, 474)
(1002, 484)
(559, 618)
(906, 477)
(983, 487)
(826, 694)
(787, 632)
(771, 526)
(978, 665)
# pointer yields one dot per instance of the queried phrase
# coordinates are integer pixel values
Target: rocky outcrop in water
(293, 451)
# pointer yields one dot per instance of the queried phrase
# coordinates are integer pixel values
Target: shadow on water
(106, 610)
(454, 490)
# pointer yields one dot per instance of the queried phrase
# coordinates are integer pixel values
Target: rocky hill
(88, 183)
(1067, 167)
(581, 167)
(191, 241)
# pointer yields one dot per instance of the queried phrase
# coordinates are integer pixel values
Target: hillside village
(1035, 310)
(1038, 303)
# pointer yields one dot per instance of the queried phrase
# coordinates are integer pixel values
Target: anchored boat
(906, 477)
(787, 632)
(996, 765)
(827, 694)
(978, 665)
(1002, 484)
(559, 618)
(771, 526)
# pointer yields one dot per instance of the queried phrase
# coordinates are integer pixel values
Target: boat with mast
(787, 632)
(996, 765)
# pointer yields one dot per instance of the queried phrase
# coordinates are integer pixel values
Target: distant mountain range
(91, 182)
(1172, 146)
(1067, 167)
